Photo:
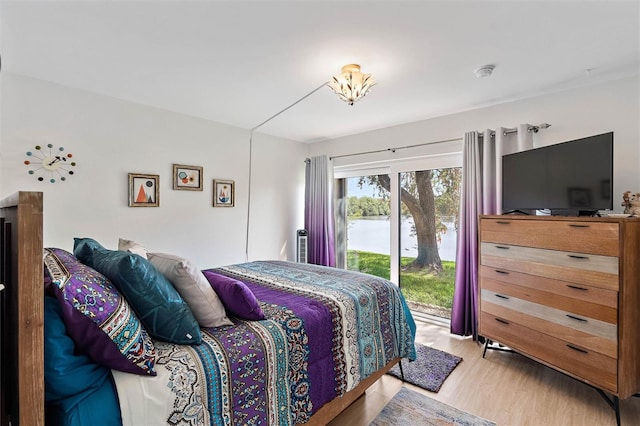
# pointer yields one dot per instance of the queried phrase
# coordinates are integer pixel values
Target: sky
(353, 190)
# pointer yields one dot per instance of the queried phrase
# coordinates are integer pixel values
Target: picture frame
(144, 190)
(223, 193)
(187, 178)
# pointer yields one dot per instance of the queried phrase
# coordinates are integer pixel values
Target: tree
(367, 206)
(423, 193)
(446, 187)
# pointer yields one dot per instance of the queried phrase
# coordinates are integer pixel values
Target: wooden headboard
(22, 309)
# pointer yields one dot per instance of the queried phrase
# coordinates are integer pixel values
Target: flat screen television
(572, 178)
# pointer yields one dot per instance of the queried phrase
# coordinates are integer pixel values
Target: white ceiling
(239, 62)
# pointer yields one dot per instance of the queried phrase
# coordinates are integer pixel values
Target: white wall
(277, 201)
(110, 138)
(613, 106)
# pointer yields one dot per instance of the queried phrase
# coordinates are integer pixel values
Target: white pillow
(132, 247)
(193, 287)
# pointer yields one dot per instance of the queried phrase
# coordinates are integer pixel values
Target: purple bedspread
(345, 314)
(325, 331)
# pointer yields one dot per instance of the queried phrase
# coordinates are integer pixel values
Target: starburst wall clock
(50, 163)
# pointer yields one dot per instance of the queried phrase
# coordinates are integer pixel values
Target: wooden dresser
(565, 291)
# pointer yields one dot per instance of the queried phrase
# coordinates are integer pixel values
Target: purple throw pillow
(97, 317)
(237, 298)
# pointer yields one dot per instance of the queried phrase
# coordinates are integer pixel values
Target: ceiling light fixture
(351, 84)
(484, 71)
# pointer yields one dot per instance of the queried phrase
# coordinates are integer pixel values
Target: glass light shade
(351, 85)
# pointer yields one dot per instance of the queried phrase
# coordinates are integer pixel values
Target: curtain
(481, 194)
(318, 217)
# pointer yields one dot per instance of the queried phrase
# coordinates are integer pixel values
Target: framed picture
(143, 190)
(223, 193)
(187, 177)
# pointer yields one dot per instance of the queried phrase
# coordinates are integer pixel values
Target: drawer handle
(575, 225)
(577, 318)
(575, 348)
(503, 247)
(498, 271)
(575, 287)
(502, 321)
(502, 297)
(575, 256)
(503, 222)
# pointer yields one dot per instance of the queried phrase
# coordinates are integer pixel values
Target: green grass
(421, 287)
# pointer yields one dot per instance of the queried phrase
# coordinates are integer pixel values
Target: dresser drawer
(568, 319)
(584, 237)
(553, 286)
(588, 306)
(603, 341)
(585, 364)
(596, 270)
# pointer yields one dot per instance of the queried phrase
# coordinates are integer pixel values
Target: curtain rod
(394, 149)
(534, 129)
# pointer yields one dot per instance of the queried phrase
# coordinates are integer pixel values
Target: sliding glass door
(429, 201)
(367, 225)
(402, 225)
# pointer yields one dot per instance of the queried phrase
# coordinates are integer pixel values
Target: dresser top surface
(562, 218)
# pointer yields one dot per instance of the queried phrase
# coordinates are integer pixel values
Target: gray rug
(429, 370)
(412, 408)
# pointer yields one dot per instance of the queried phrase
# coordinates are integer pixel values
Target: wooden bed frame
(22, 398)
(23, 309)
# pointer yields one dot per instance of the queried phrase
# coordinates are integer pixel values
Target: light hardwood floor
(506, 388)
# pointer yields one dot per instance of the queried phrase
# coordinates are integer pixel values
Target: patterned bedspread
(327, 329)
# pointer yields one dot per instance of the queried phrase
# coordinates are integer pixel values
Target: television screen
(569, 178)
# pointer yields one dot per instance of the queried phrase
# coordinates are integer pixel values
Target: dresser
(565, 291)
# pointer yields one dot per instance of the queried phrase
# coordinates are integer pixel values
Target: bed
(299, 343)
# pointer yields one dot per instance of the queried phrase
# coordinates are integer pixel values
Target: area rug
(412, 408)
(429, 370)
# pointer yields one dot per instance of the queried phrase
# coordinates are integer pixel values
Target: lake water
(373, 235)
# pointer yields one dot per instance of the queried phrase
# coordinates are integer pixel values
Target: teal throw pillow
(162, 311)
